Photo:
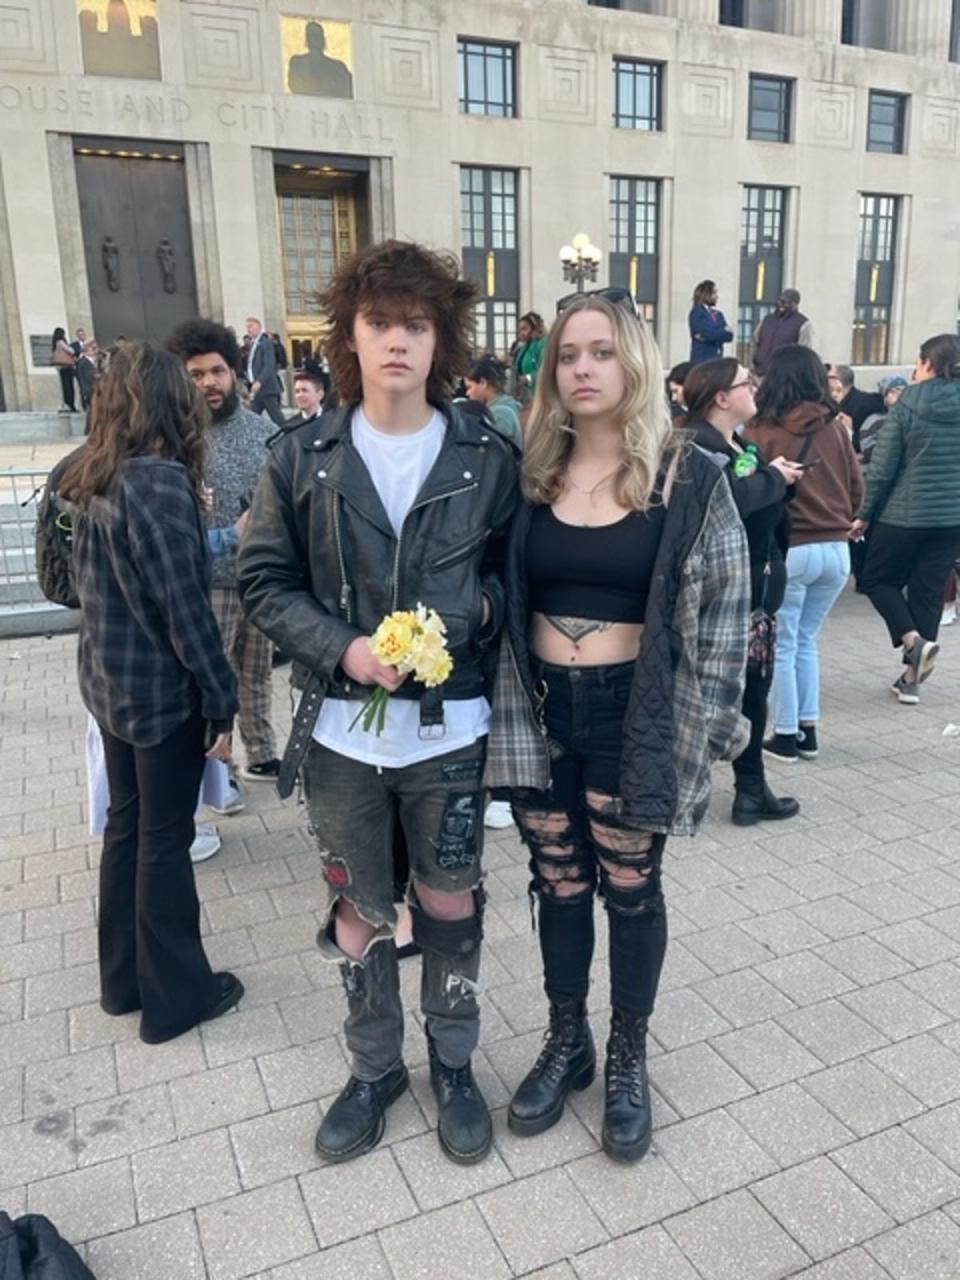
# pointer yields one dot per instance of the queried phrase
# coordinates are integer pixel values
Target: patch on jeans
(459, 826)
(461, 770)
(336, 873)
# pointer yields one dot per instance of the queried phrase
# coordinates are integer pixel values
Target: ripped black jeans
(580, 843)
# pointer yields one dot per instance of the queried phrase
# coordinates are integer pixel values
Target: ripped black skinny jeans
(581, 843)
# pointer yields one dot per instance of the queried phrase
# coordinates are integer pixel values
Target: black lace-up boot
(356, 1119)
(463, 1127)
(567, 1061)
(627, 1121)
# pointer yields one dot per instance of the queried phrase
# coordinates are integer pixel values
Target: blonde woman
(620, 680)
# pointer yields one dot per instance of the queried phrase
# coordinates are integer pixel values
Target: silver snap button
(316, 442)
(484, 439)
(321, 475)
(468, 475)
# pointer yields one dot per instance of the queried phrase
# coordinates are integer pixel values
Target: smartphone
(805, 466)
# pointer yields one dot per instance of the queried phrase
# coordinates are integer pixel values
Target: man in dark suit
(261, 371)
(85, 370)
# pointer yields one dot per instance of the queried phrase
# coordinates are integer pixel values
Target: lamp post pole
(580, 260)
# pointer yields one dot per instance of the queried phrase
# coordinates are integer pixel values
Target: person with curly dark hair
(397, 498)
(154, 677)
(237, 443)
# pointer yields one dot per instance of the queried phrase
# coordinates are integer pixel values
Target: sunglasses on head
(612, 294)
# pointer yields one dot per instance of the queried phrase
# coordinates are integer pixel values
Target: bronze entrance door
(136, 236)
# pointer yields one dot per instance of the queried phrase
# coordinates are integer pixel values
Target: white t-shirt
(398, 466)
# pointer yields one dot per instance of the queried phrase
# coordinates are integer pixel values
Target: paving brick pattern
(805, 1056)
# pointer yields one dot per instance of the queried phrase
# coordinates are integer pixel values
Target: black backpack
(53, 541)
(281, 353)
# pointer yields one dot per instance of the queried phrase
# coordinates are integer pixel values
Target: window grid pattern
(637, 233)
(871, 335)
(486, 78)
(496, 326)
(309, 235)
(761, 219)
(502, 187)
(885, 122)
(749, 315)
(878, 227)
(769, 113)
(637, 94)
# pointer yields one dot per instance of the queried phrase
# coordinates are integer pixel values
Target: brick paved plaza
(806, 1060)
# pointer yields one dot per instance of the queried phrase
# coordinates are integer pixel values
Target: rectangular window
(488, 236)
(849, 22)
(762, 222)
(876, 264)
(955, 31)
(635, 240)
(886, 121)
(487, 79)
(731, 13)
(769, 112)
(637, 94)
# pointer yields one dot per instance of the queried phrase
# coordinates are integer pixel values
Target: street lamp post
(581, 260)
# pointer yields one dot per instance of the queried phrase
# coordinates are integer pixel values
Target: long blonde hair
(648, 435)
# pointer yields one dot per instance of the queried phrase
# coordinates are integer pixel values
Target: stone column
(692, 10)
(13, 364)
(66, 210)
(268, 242)
(203, 230)
(813, 19)
(920, 29)
(382, 221)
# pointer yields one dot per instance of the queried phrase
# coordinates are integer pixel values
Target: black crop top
(601, 571)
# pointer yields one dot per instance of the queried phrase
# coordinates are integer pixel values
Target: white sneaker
(207, 842)
(498, 816)
(233, 803)
(949, 614)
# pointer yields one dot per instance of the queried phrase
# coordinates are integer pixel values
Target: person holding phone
(798, 418)
(154, 676)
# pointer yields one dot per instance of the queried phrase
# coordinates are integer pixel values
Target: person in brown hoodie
(797, 418)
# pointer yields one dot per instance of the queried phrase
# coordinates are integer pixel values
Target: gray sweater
(236, 449)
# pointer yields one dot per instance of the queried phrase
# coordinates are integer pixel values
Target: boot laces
(357, 1088)
(626, 1060)
(558, 1040)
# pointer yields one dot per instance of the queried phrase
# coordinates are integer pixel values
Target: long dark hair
(703, 291)
(58, 335)
(144, 405)
(704, 383)
(796, 375)
(943, 355)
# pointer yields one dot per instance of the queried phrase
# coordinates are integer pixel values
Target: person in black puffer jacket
(911, 507)
(719, 395)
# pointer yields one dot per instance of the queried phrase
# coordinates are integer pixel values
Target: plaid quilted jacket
(684, 709)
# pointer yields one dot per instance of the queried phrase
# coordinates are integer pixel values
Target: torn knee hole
(624, 876)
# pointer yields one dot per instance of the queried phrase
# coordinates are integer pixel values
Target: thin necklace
(590, 492)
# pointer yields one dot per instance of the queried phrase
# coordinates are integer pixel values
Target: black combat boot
(356, 1119)
(627, 1121)
(463, 1124)
(567, 1061)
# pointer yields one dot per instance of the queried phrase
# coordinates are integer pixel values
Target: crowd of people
(624, 580)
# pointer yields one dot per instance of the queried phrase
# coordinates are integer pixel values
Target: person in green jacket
(485, 383)
(527, 352)
(911, 507)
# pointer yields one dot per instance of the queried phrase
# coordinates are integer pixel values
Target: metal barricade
(23, 608)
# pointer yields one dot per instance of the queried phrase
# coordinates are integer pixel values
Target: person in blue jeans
(798, 420)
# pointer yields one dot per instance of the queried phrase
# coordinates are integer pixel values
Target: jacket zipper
(346, 591)
(451, 493)
(451, 557)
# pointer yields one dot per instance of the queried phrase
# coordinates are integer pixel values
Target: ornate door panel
(136, 234)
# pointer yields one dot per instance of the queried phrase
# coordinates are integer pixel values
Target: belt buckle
(432, 732)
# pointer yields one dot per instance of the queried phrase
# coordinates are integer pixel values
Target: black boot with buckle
(627, 1119)
(463, 1125)
(567, 1061)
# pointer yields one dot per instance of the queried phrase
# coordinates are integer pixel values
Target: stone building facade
(159, 157)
